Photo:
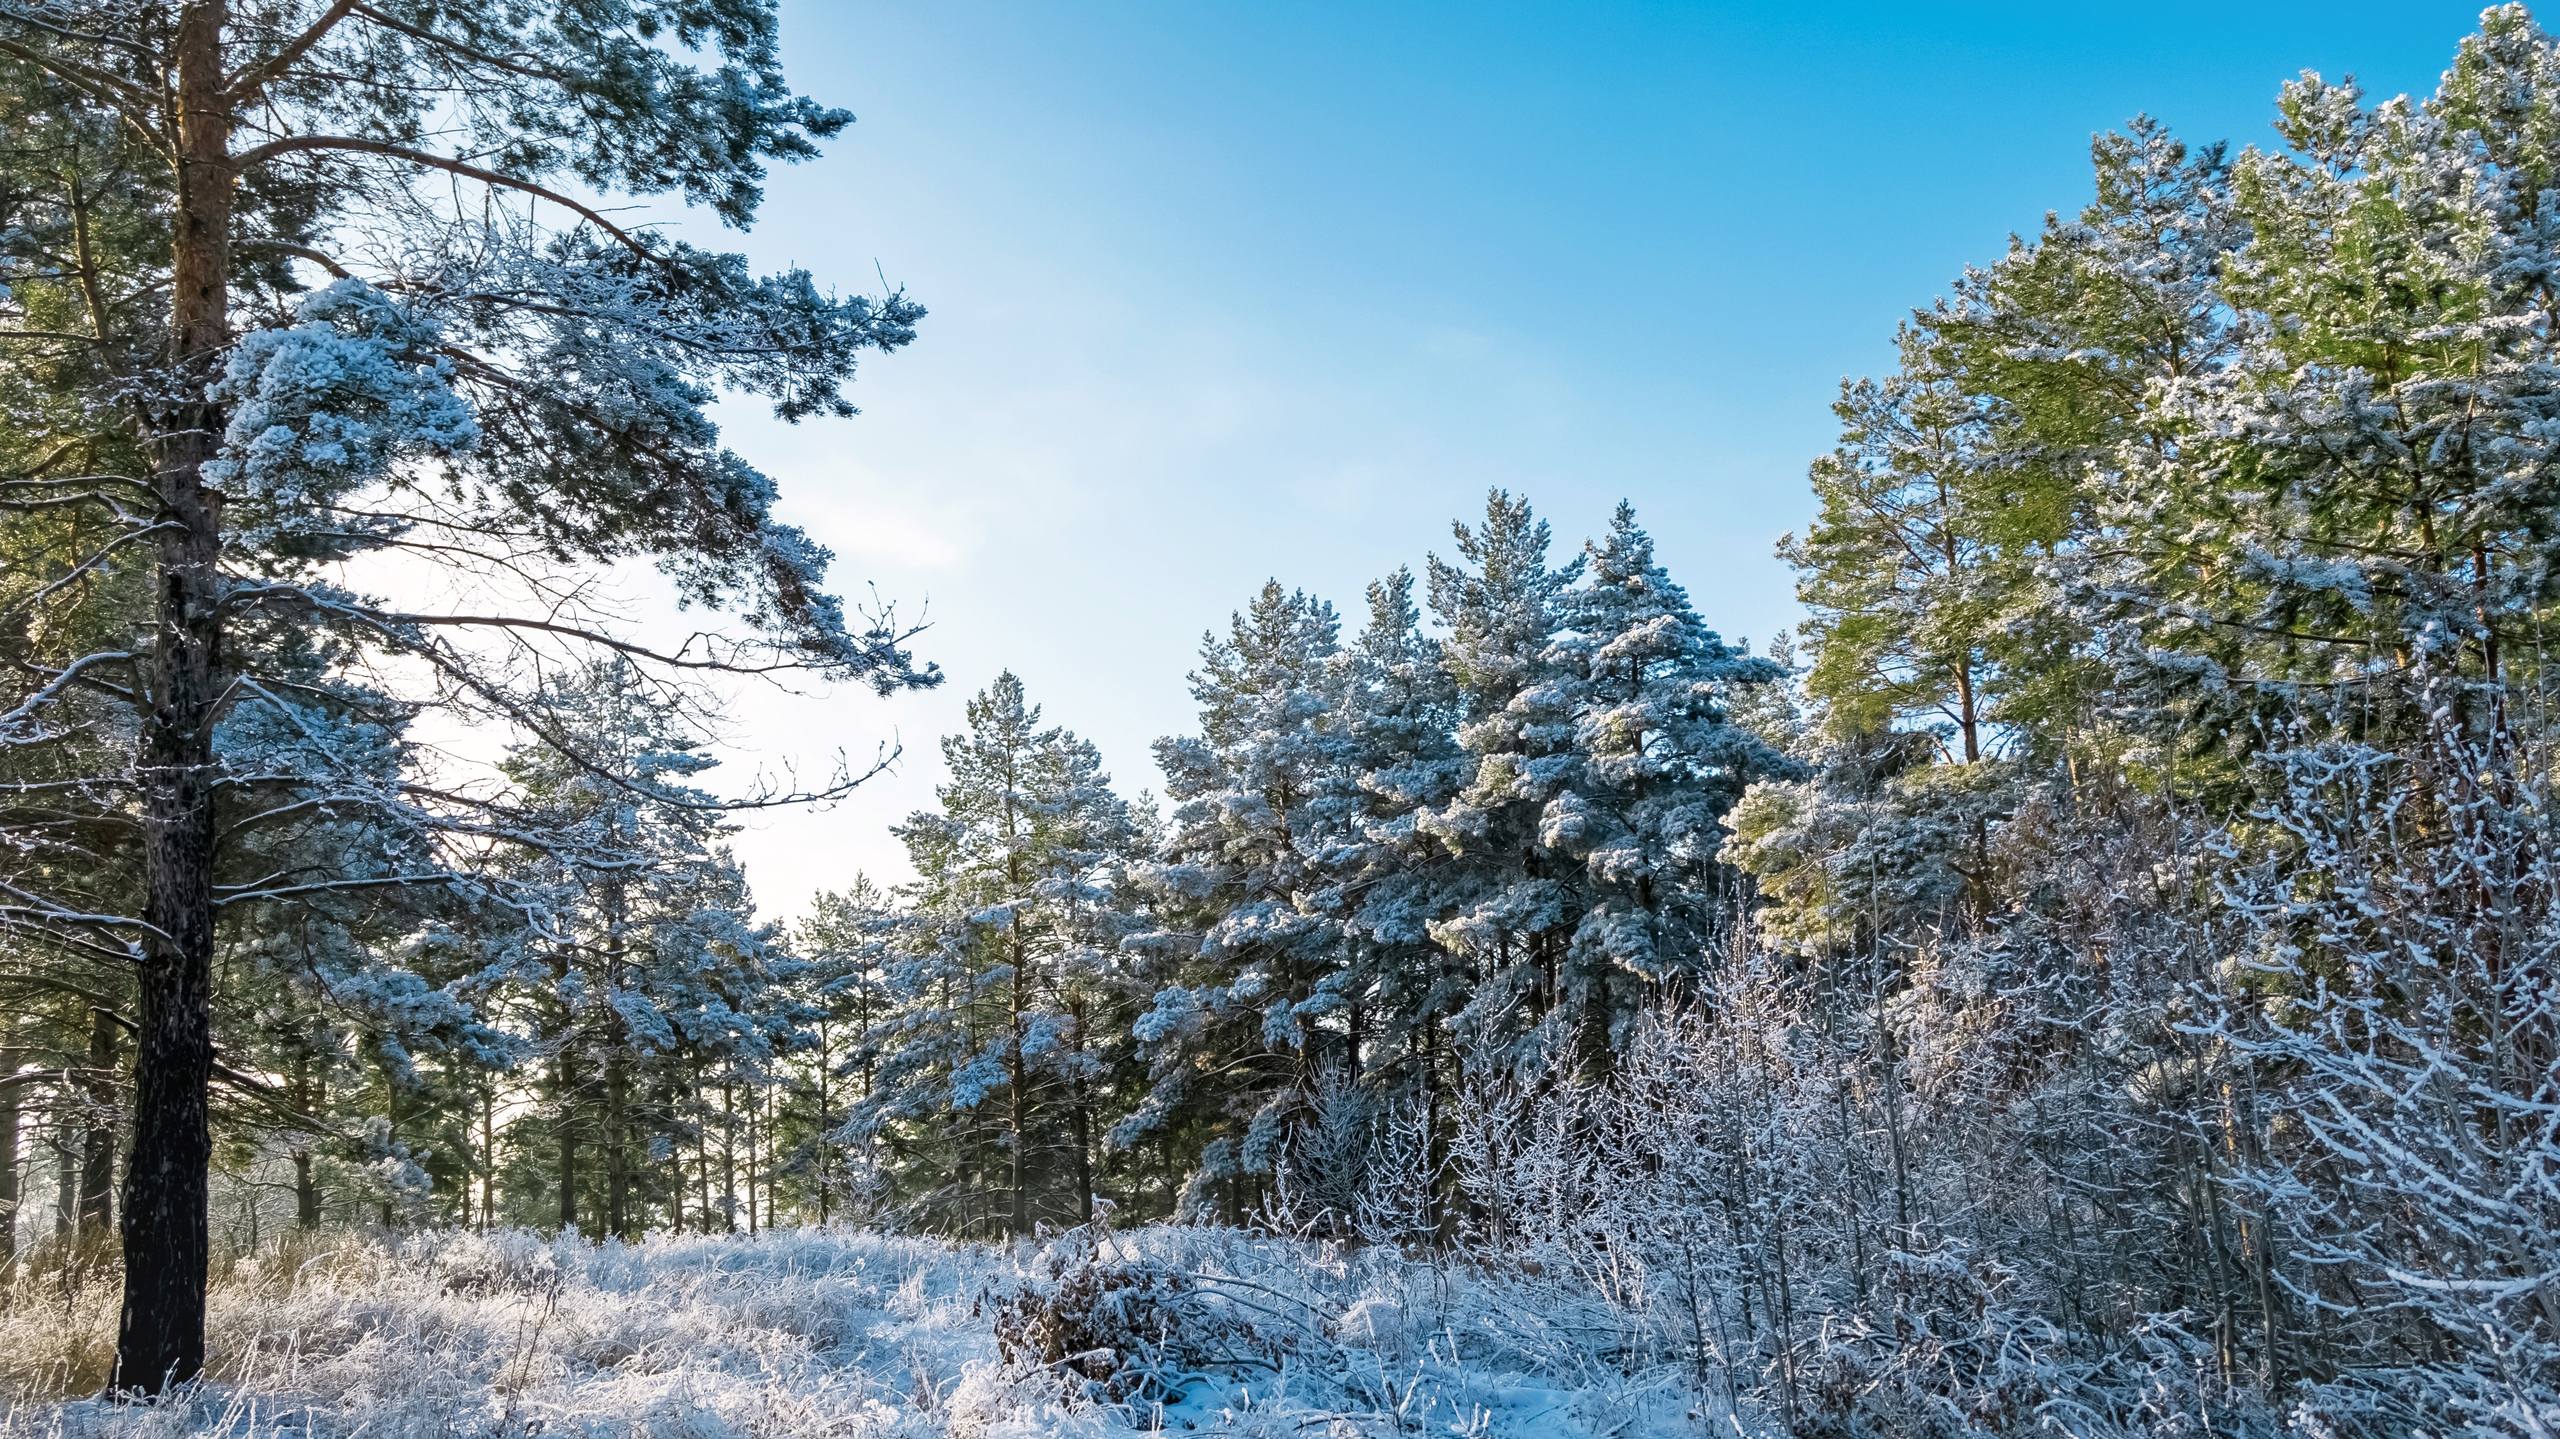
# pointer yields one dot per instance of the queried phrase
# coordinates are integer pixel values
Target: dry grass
(796, 1335)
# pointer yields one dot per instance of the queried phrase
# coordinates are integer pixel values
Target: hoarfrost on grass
(830, 1332)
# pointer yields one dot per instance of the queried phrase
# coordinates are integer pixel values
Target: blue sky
(1224, 291)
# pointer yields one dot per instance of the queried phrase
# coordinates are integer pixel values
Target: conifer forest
(2096, 974)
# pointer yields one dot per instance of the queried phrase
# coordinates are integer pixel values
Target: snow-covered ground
(841, 1333)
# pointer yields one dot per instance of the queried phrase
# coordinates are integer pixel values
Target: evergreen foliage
(2109, 987)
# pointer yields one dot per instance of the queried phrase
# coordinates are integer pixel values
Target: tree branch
(130, 105)
(61, 680)
(246, 85)
(476, 56)
(295, 144)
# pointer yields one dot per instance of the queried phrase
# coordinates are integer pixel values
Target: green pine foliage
(2096, 975)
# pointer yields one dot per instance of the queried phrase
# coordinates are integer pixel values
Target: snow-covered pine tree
(1638, 795)
(496, 376)
(990, 1056)
(1091, 901)
(1954, 532)
(2055, 349)
(650, 965)
(1512, 904)
(1255, 1004)
(844, 947)
(2365, 490)
(1995, 941)
(720, 985)
(1400, 759)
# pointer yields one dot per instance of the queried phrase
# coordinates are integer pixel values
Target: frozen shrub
(1129, 1329)
(1109, 1325)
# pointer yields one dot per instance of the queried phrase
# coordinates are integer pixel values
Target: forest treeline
(2107, 958)
(2100, 966)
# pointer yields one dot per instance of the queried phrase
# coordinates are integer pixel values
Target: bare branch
(62, 679)
(296, 144)
(245, 86)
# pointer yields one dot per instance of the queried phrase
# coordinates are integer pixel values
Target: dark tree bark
(98, 1129)
(167, 1241)
(617, 1163)
(568, 1135)
(728, 1158)
(1081, 1115)
(821, 1148)
(64, 1142)
(308, 1093)
(12, 1178)
(1018, 1221)
(306, 1192)
(617, 1068)
(488, 1157)
(754, 1135)
(390, 1128)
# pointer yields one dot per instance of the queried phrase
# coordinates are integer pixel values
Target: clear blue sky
(1222, 291)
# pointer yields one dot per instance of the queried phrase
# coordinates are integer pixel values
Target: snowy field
(838, 1333)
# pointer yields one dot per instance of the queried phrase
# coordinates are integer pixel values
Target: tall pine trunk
(12, 1178)
(390, 1131)
(98, 1129)
(306, 1191)
(64, 1142)
(1017, 1086)
(488, 1156)
(617, 1071)
(167, 1232)
(1082, 1115)
(754, 1130)
(728, 1159)
(617, 1170)
(308, 1095)
(568, 1136)
(821, 1147)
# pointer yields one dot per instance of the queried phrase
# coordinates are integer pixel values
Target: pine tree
(469, 386)
(1401, 760)
(1951, 575)
(652, 961)
(1653, 763)
(992, 1041)
(1237, 1038)
(844, 947)
(2054, 353)
(1513, 903)
(2362, 494)
(1894, 571)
